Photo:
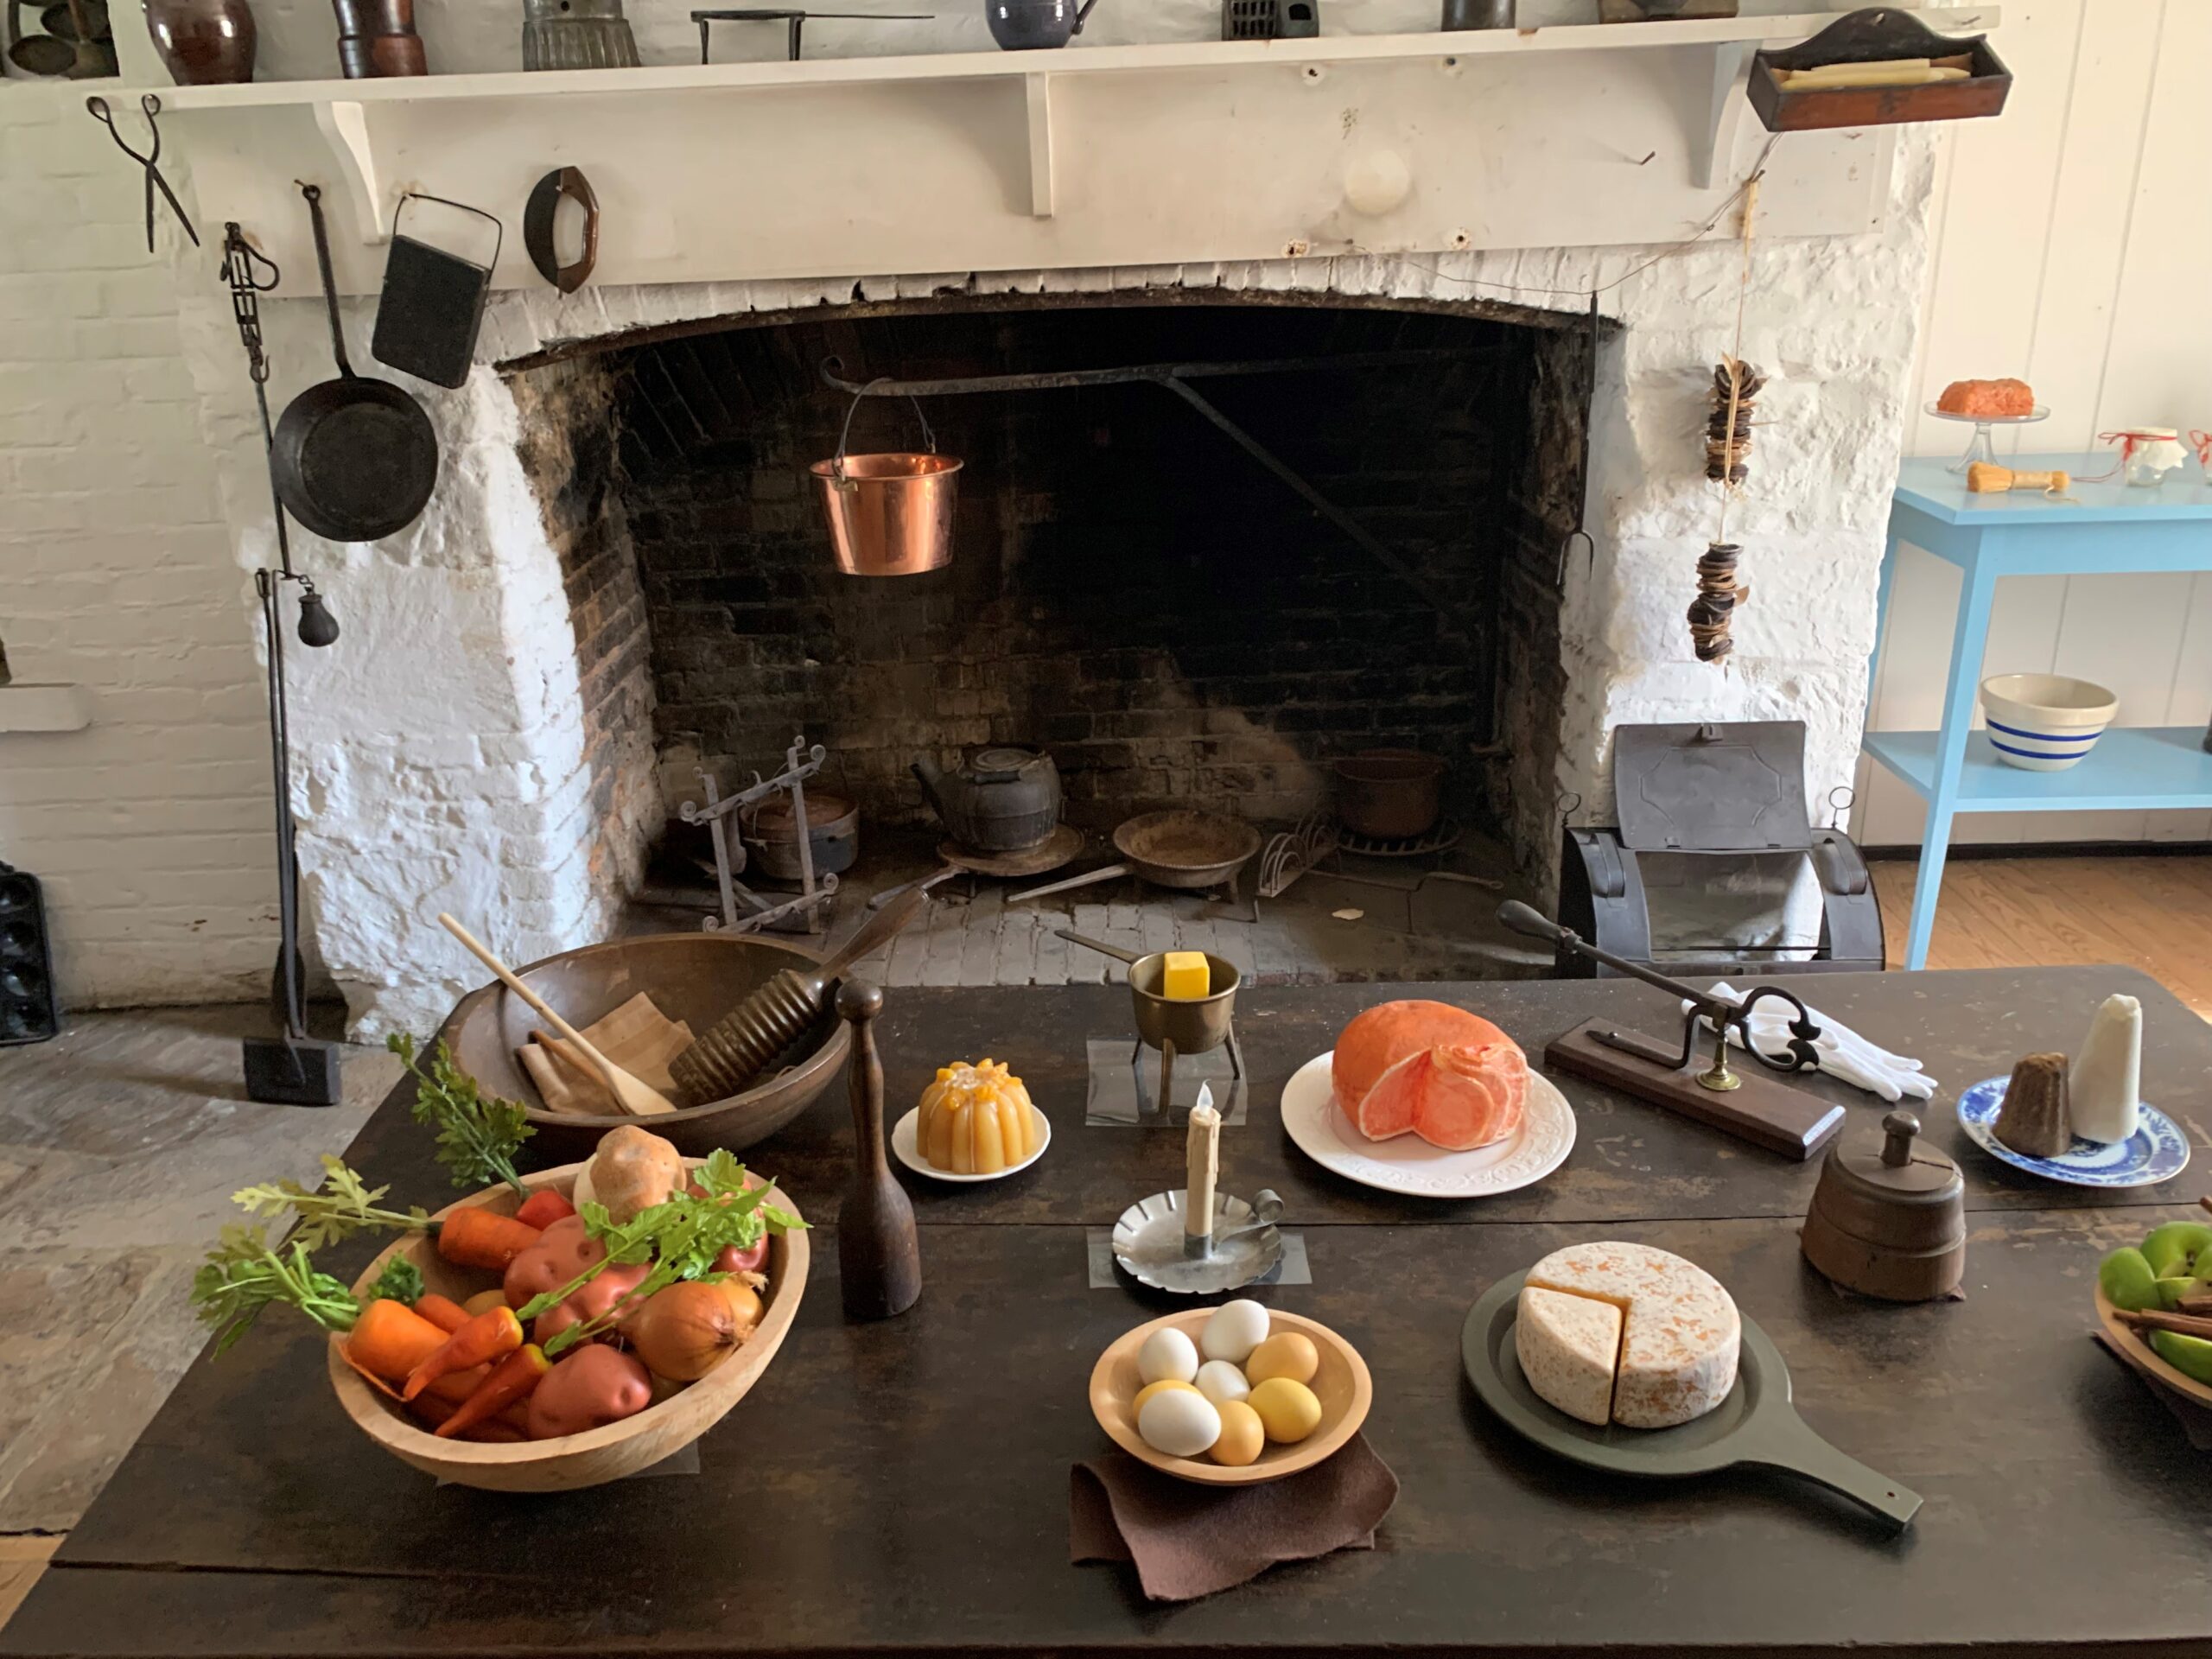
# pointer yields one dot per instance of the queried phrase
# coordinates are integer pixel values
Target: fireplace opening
(1131, 590)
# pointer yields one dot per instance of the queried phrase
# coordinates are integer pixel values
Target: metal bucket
(890, 514)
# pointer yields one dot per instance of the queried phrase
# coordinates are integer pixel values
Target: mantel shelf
(1115, 155)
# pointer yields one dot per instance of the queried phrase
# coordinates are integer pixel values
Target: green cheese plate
(1754, 1426)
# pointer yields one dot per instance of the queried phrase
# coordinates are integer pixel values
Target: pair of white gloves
(1844, 1053)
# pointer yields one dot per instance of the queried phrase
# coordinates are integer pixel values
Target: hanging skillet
(355, 458)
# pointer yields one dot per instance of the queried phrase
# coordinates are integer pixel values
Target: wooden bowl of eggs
(1231, 1395)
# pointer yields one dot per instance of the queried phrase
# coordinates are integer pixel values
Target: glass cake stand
(1982, 448)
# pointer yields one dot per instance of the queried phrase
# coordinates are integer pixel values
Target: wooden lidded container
(1889, 1216)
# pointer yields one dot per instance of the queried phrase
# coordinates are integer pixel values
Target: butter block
(1185, 976)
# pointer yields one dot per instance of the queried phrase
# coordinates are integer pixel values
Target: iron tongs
(1714, 1014)
(151, 106)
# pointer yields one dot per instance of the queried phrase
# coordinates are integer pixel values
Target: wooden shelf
(1105, 156)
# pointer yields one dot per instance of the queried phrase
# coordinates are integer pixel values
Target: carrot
(445, 1396)
(511, 1379)
(489, 1336)
(390, 1340)
(442, 1311)
(544, 1207)
(476, 1238)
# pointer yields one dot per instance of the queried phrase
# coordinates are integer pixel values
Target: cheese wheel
(1567, 1346)
(1681, 1331)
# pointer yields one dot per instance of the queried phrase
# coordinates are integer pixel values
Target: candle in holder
(1202, 1161)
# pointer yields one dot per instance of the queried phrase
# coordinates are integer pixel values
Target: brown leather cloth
(1188, 1541)
(2196, 1421)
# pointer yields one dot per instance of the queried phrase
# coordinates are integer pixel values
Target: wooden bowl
(1342, 1385)
(693, 977)
(2138, 1353)
(574, 1460)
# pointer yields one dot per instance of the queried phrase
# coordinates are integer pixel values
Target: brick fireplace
(1129, 589)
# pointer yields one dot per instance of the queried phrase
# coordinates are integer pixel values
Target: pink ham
(1439, 1072)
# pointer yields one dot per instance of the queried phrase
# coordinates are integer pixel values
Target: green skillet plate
(1755, 1425)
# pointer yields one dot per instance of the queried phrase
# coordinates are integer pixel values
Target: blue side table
(2107, 529)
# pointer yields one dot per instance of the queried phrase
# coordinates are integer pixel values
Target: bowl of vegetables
(626, 1322)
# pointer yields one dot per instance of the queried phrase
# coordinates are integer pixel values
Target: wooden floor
(2152, 913)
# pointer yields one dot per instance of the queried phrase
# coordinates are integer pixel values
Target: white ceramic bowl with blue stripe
(2044, 722)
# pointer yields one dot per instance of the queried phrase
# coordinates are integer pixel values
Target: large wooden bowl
(574, 1460)
(1342, 1385)
(693, 977)
(2139, 1353)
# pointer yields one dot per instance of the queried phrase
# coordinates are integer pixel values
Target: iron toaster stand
(1751, 1107)
(1720, 790)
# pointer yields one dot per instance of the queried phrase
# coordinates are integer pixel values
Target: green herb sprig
(341, 1206)
(681, 1237)
(477, 1134)
(400, 1281)
(244, 1273)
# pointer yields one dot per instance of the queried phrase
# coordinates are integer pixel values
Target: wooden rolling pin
(1986, 477)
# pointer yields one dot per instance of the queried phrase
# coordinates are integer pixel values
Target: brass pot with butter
(1888, 1218)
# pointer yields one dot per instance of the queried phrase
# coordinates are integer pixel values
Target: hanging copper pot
(891, 513)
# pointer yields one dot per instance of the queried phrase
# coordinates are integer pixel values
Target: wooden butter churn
(1888, 1218)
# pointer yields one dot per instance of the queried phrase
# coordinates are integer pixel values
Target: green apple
(2190, 1355)
(2125, 1278)
(2171, 1249)
(2171, 1291)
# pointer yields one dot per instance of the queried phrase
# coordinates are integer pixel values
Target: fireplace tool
(800, 763)
(291, 1070)
(1198, 1241)
(1706, 1087)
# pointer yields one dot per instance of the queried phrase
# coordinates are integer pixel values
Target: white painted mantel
(1575, 135)
(439, 743)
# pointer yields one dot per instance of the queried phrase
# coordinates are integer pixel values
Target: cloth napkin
(2196, 1421)
(1188, 1541)
(1844, 1053)
(638, 1037)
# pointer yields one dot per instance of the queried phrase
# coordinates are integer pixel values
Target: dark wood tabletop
(903, 1486)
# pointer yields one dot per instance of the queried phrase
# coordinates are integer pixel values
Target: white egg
(1167, 1353)
(1221, 1382)
(1234, 1329)
(1179, 1422)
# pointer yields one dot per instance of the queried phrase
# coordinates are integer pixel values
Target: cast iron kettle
(1028, 25)
(355, 459)
(1001, 801)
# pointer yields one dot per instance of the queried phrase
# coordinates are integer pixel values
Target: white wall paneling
(2071, 238)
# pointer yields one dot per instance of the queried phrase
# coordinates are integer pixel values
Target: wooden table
(902, 1486)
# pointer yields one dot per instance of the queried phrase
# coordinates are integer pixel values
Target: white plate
(908, 1151)
(1406, 1163)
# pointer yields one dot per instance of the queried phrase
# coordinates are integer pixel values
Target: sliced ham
(1433, 1069)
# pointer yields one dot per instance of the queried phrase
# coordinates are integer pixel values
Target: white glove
(1843, 1052)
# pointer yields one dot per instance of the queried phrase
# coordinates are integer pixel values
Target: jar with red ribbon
(2147, 454)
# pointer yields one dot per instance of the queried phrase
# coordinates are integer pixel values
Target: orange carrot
(544, 1207)
(488, 1336)
(476, 1238)
(511, 1379)
(390, 1340)
(442, 1311)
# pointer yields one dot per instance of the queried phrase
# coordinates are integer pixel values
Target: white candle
(1203, 1156)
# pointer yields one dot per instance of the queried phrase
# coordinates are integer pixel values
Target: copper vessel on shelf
(203, 42)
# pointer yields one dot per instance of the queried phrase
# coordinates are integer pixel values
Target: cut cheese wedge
(1679, 1337)
(1568, 1346)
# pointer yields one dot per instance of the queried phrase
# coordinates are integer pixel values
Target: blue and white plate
(2156, 1152)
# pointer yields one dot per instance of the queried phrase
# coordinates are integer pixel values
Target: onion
(685, 1330)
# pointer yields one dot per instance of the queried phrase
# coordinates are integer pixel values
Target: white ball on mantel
(1376, 181)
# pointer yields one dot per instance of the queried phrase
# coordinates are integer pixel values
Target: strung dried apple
(976, 1120)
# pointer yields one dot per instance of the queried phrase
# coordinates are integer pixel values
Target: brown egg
(1243, 1436)
(1290, 1354)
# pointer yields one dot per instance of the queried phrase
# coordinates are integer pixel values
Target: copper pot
(890, 514)
(1390, 794)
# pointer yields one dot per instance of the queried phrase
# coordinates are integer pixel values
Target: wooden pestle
(730, 1056)
(878, 1251)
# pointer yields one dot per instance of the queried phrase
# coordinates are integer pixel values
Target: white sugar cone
(2102, 1089)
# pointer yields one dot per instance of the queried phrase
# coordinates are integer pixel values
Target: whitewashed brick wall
(151, 827)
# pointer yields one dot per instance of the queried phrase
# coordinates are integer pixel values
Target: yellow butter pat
(1185, 977)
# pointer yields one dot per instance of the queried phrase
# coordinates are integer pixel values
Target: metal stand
(800, 763)
(1167, 1100)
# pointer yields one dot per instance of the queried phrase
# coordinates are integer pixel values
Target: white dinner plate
(1406, 1163)
(907, 1148)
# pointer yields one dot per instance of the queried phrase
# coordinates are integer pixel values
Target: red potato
(562, 1251)
(752, 1259)
(594, 1299)
(588, 1389)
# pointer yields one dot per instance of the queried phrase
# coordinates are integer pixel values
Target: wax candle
(1202, 1160)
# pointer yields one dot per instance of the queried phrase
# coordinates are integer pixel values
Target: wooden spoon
(633, 1095)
